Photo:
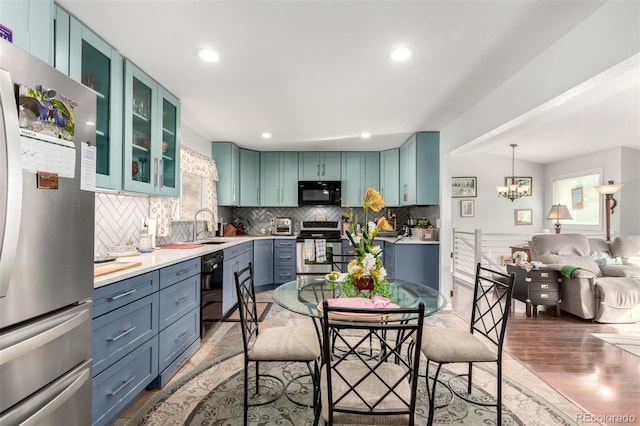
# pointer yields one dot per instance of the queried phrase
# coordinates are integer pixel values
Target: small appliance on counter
(282, 226)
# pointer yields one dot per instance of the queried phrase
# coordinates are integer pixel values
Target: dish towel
(309, 253)
(321, 251)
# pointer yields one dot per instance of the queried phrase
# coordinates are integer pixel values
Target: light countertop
(161, 258)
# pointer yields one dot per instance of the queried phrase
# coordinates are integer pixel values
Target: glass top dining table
(303, 295)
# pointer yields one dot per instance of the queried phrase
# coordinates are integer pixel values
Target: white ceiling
(316, 74)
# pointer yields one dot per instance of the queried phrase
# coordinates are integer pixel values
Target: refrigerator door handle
(41, 337)
(11, 175)
(41, 416)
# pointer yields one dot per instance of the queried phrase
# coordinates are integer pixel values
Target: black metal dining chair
(482, 343)
(358, 389)
(272, 344)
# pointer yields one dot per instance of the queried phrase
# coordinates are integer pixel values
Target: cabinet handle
(126, 293)
(182, 299)
(544, 285)
(528, 279)
(405, 192)
(155, 175)
(183, 271)
(258, 195)
(233, 192)
(544, 274)
(161, 169)
(122, 386)
(318, 171)
(180, 337)
(544, 295)
(323, 169)
(121, 335)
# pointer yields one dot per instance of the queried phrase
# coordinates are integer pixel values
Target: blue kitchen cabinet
(390, 176)
(420, 169)
(249, 178)
(284, 260)
(227, 158)
(279, 179)
(32, 24)
(418, 263)
(263, 262)
(98, 66)
(360, 171)
(319, 166)
(236, 258)
(389, 256)
(151, 136)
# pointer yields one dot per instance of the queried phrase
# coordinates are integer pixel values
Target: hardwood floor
(598, 377)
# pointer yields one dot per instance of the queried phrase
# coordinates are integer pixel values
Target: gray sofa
(606, 285)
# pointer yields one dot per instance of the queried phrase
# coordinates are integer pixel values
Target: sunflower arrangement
(367, 264)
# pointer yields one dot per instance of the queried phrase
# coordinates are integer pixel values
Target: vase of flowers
(366, 275)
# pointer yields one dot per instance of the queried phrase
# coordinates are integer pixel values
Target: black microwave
(314, 193)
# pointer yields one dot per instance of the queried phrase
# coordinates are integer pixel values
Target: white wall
(194, 140)
(493, 214)
(630, 192)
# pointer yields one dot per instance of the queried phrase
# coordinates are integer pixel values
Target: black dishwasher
(211, 291)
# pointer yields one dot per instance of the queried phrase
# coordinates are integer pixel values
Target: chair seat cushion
(371, 389)
(451, 345)
(286, 344)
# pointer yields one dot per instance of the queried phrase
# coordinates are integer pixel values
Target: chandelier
(513, 190)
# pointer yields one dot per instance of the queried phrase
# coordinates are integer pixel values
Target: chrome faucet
(195, 233)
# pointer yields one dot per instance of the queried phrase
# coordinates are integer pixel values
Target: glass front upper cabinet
(99, 67)
(151, 136)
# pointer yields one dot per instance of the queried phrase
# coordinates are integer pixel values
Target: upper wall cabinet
(249, 178)
(227, 158)
(31, 22)
(279, 179)
(390, 176)
(319, 166)
(99, 67)
(360, 171)
(151, 136)
(420, 169)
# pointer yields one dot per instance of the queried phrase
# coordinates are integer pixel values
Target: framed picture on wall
(463, 187)
(467, 208)
(523, 216)
(577, 198)
(521, 182)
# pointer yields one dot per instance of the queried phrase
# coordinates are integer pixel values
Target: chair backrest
(491, 304)
(340, 262)
(247, 305)
(353, 332)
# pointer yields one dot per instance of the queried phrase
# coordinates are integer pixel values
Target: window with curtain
(578, 193)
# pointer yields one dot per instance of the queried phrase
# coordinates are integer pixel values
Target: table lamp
(558, 212)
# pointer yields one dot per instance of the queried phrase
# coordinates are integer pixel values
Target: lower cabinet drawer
(178, 299)
(116, 387)
(284, 255)
(544, 297)
(174, 339)
(544, 286)
(283, 273)
(176, 365)
(120, 331)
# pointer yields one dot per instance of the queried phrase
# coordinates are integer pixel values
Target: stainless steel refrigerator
(47, 141)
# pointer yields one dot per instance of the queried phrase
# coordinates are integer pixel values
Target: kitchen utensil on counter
(144, 243)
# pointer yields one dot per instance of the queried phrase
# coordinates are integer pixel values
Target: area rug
(629, 342)
(261, 307)
(213, 395)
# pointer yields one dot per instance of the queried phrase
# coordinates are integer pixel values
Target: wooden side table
(536, 287)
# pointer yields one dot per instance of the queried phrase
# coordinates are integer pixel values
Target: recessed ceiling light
(208, 55)
(365, 135)
(266, 135)
(400, 54)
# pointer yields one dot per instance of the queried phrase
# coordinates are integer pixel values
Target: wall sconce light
(559, 212)
(610, 202)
